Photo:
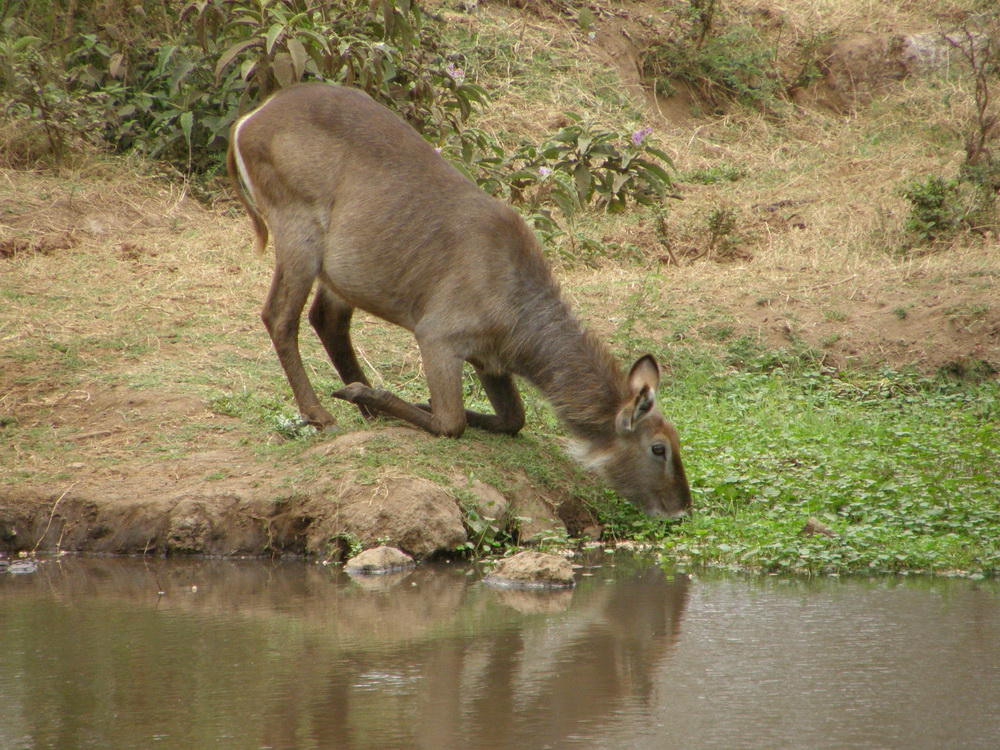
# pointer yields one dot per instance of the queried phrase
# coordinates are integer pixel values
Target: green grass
(903, 468)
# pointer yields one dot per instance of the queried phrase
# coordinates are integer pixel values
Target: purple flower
(640, 135)
(457, 73)
(542, 171)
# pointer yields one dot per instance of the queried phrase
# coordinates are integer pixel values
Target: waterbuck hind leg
(330, 317)
(281, 314)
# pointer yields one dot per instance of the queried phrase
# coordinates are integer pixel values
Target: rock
(191, 528)
(532, 569)
(379, 560)
(488, 502)
(936, 51)
(535, 517)
(858, 65)
(21, 567)
(413, 514)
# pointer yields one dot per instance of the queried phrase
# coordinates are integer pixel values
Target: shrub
(578, 166)
(935, 207)
(721, 62)
(173, 91)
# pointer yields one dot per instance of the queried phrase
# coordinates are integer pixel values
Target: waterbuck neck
(575, 370)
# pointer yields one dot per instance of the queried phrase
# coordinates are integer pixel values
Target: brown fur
(355, 198)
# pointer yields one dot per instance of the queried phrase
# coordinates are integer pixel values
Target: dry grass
(104, 253)
(819, 220)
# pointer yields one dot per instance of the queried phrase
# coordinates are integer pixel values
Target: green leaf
(184, 66)
(117, 65)
(604, 149)
(299, 56)
(316, 40)
(230, 54)
(657, 170)
(247, 69)
(584, 181)
(187, 125)
(618, 181)
(272, 37)
(282, 69)
(661, 155)
(567, 135)
(24, 42)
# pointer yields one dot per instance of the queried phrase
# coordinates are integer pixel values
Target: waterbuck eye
(659, 449)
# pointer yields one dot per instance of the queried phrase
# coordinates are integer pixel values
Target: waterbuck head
(642, 460)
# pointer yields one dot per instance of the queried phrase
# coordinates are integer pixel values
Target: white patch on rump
(241, 166)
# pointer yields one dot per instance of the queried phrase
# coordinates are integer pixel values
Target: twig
(87, 435)
(51, 516)
(156, 579)
(830, 284)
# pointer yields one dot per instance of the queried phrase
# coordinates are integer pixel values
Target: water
(255, 655)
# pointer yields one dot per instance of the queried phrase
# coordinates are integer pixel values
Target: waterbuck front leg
(444, 380)
(330, 316)
(507, 405)
(290, 288)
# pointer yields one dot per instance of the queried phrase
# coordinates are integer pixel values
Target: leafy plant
(897, 465)
(721, 62)
(721, 225)
(578, 166)
(173, 92)
(605, 166)
(981, 50)
(385, 48)
(487, 535)
(942, 206)
(716, 174)
(935, 207)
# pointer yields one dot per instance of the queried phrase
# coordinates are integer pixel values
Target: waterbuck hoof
(353, 392)
(319, 418)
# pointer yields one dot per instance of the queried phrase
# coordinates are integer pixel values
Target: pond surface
(252, 655)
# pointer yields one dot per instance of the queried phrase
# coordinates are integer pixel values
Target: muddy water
(254, 655)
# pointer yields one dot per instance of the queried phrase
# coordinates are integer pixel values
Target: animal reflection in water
(529, 685)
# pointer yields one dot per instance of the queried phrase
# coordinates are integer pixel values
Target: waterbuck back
(355, 199)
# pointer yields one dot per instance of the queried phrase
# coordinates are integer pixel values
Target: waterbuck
(356, 198)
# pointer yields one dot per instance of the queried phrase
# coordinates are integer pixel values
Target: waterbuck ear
(645, 373)
(643, 379)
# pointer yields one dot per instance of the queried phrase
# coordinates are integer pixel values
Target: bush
(172, 87)
(935, 207)
(721, 62)
(578, 166)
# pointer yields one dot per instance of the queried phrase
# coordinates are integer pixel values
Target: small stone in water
(379, 560)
